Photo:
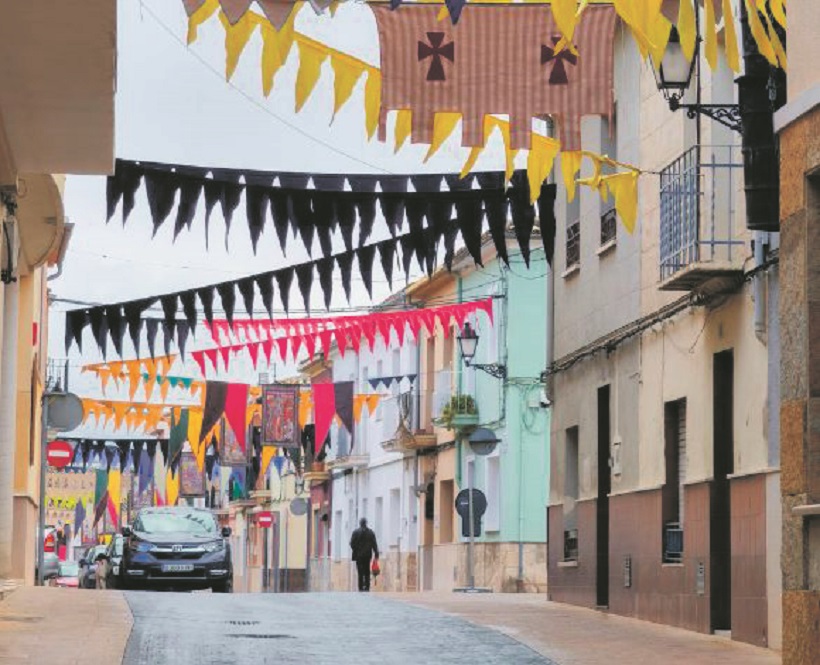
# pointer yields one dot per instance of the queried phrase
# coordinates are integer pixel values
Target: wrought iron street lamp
(467, 344)
(673, 75)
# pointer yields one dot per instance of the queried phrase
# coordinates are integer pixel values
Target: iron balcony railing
(571, 545)
(672, 543)
(699, 197)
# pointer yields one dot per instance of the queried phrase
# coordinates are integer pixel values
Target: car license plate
(177, 568)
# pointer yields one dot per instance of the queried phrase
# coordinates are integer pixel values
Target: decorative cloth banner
(324, 408)
(430, 67)
(236, 402)
(343, 399)
(216, 395)
(470, 209)
(114, 482)
(280, 426)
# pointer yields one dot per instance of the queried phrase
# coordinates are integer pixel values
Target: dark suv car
(176, 547)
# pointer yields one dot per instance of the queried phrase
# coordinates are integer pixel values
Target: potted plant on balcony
(458, 413)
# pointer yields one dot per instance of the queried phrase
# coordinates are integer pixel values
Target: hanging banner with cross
(497, 60)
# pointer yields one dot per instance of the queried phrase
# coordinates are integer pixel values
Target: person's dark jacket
(363, 543)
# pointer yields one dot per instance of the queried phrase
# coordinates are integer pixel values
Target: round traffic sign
(299, 506)
(264, 519)
(463, 503)
(59, 454)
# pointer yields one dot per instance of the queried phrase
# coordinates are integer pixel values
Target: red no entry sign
(264, 519)
(59, 453)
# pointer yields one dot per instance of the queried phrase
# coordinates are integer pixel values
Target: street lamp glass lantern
(674, 73)
(468, 342)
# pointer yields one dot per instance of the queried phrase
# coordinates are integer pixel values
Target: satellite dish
(40, 221)
(299, 506)
(65, 411)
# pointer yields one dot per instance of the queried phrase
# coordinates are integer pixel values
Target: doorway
(604, 488)
(720, 537)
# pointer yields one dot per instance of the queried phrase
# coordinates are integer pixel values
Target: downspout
(759, 243)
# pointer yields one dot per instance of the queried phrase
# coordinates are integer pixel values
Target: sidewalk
(69, 625)
(572, 635)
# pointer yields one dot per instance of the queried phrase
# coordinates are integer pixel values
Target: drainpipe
(761, 239)
(8, 423)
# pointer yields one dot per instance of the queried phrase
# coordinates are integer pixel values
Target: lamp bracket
(493, 369)
(727, 115)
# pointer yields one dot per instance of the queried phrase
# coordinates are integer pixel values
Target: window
(378, 524)
(445, 512)
(493, 485)
(394, 527)
(609, 227)
(673, 495)
(571, 495)
(574, 244)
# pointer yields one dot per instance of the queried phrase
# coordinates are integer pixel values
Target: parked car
(176, 547)
(68, 574)
(108, 568)
(50, 559)
(88, 566)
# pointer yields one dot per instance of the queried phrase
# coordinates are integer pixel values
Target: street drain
(21, 619)
(257, 636)
(243, 623)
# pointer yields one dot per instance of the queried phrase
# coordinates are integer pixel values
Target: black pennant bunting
(345, 212)
(133, 316)
(167, 336)
(206, 297)
(163, 447)
(213, 193)
(468, 216)
(546, 220)
(245, 287)
(325, 269)
(365, 256)
(151, 329)
(227, 296)
(190, 191)
(284, 278)
(301, 217)
(495, 209)
(116, 327)
(345, 263)
(183, 329)
(393, 210)
(188, 300)
(387, 256)
(161, 188)
(264, 283)
(75, 322)
(365, 203)
(279, 210)
(99, 327)
(231, 193)
(523, 214)
(324, 220)
(304, 278)
(256, 203)
(152, 449)
(169, 309)
(408, 249)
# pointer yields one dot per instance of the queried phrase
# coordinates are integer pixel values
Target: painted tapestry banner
(430, 66)
(191, 477)
(279, 416)
(230, 452)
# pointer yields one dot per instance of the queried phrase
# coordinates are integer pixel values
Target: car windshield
(69, 569)
(196, 522)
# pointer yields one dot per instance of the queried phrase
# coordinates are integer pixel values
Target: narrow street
(138, 628)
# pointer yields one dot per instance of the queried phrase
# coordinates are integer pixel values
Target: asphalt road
(316, 628)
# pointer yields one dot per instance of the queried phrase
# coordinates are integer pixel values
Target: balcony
(401, 431)
(459, 413)
(316, 474)
(344, 462)
(700, 193)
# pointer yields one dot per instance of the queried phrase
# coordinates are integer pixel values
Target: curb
(7, 587)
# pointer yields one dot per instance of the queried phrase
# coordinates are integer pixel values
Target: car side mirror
(126, 531)
(226, 531)
(83, 562)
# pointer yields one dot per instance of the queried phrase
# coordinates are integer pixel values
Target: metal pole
(308, 521)
(470, 571)
(41, 543)
(265, 559)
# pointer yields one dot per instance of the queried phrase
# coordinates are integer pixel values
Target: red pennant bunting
(282, 344)
(341, 340)
(355, 338)
(487, 307)
(399, 324)
(225, 352)
(212, 355)
(236, 408)
(267, 347)
(253, 350)
(295, 345)
(324, 338)
(310, 344)
(324, 408)
(199, 359)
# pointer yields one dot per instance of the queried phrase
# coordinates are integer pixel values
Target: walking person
(364, 547)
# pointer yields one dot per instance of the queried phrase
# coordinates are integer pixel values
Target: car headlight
(214, 546)
(144, 547)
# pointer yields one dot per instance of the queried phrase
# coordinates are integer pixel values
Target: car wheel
(223, 587)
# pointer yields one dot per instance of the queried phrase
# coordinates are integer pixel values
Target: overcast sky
(174, 105)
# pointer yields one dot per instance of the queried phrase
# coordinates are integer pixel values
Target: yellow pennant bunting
(779, 50)
(268, 453)
(305, 409)
(105, 375)
(543, 152)
(163, 389)
(346, 74)
(114, 487)
(358, 404)
(443, 126)
(566, 14)
(711, 40)
(624, 189)
(372, 101)
(570, 168)
(373, 403)
(134, 378)
(172, 487)
(687, 29)
(199, 17)
(730, 37)
(404, 124)
(194, 431)
(276, 46)
(778, 11)
(310, 66)
(759, 33)
(236, 39)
